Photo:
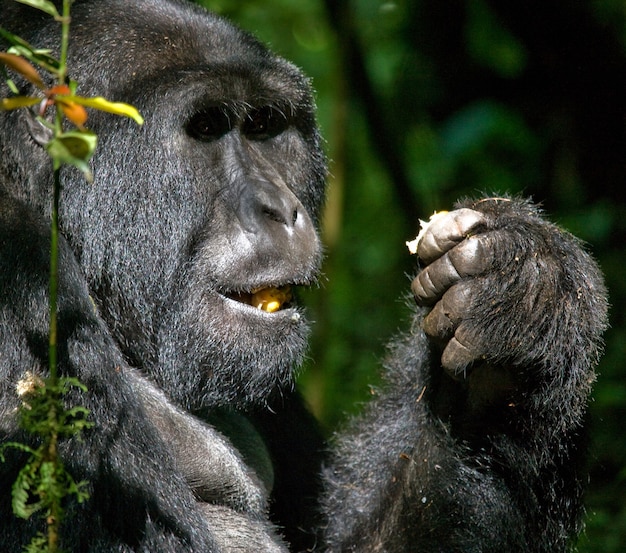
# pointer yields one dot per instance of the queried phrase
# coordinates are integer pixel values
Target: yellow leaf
(17, 102)
(118, 108)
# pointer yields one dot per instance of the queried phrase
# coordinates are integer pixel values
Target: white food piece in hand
(412, 244)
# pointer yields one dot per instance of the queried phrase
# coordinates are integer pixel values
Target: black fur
(200, 443)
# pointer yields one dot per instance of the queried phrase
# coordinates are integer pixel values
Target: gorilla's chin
(232, 353)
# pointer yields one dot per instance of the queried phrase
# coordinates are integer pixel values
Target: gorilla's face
(201, 219)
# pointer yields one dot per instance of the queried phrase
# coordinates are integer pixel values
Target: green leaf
(81, 491)
(118, 108)
(15, 445)
(12, 86)
(68, 382)
(20, 498)
(39, 57)
(73, 148)
(43, 5)
(23, 504)
(38, 544)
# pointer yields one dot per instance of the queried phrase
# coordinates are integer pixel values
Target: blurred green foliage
(456, 98)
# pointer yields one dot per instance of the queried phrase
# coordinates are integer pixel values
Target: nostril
(274, 215)
(264, 205)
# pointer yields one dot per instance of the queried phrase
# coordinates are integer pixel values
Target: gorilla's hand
(508, 289)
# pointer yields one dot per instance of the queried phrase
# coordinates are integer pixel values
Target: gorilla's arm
(477, 443)
(231, 495)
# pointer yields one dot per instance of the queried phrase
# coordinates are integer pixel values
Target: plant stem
(54, 516)
(53, 520)
(53, 284)
(65, 40)
(56, 192)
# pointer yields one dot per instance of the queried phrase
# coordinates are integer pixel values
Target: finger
(469, 258)
(447, 231)
(459, 354)
(448, 313)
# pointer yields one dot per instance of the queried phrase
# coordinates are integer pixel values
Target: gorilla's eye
(209, 124)
(265, 122)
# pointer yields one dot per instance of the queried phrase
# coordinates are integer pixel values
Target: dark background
(422, 102)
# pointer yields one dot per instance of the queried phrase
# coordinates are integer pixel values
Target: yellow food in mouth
(270, 299)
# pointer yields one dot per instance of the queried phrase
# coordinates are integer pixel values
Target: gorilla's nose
(264, 206)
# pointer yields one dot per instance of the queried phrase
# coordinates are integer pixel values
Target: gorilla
(179, 270)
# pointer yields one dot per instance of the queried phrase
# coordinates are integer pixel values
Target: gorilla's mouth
(269, 299)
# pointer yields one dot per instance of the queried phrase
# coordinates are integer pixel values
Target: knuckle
(423, 289)
(445, 232)
(460, 353)
(429, 247)
(456, 359)
(434, 280)
(472, 256)
(466, 219)
(448, 313)
(437, 324)
(456, 302)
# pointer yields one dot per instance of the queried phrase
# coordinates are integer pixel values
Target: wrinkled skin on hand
(452, 254)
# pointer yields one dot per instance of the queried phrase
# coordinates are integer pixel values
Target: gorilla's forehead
(176, 41)
(178, 27)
